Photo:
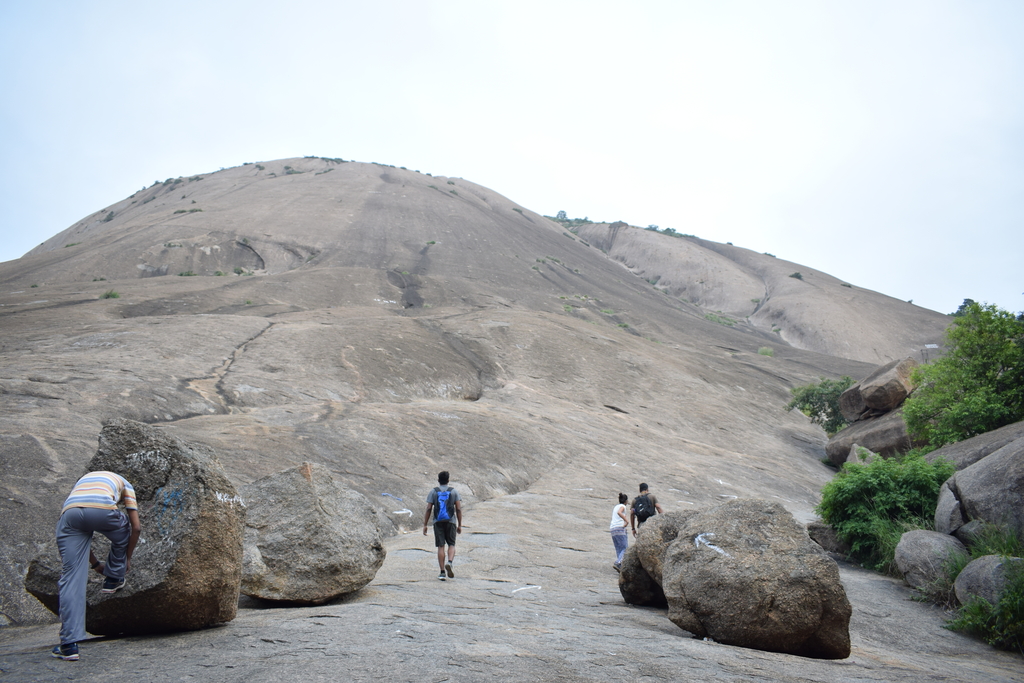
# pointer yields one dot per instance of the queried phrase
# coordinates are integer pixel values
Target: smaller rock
(886, 435)
(948, 515)
(861, 455)
(970, 533)
(636, 585)
(827, 537)
(984, 578)
(921, 556)
(308, 539)
(654, 537)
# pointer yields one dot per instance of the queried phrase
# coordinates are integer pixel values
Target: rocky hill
(388, 324)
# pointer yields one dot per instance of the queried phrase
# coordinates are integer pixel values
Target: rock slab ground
(526, 605)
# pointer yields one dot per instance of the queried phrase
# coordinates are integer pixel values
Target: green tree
(977, 386)
(820, 402)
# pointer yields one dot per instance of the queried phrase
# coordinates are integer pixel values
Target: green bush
(798, 276)
(871, 505)
(720, 319)
(977, 386)
(110, 294)
(820, 402)
(766, 351)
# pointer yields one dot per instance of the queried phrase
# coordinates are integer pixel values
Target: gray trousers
(74, 535)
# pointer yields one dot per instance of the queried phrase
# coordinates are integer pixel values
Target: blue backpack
(445, 505)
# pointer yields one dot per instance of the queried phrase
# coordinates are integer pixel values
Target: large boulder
(983, 578)
(636, 585)
(921, 556)
(745, 573)
(965, 453)
(883, 390)
(187, 566)
(992, 489)
(886, 435)
(307, 538)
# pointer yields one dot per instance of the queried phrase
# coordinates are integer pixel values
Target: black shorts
(444, 533)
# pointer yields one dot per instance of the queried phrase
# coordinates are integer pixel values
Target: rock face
(969, 451)
(413, 319)
(992, 489)
(186, 569)
(984, 578)
(307, 538)
(921, 554)
(885, 435)
(745, 573)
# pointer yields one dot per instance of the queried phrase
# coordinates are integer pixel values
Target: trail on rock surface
(534, 598)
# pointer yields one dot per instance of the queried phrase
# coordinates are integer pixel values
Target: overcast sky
(881, 142)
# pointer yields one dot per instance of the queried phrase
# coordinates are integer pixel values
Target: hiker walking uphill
(446, 505)
(618, 530)
(645, 505)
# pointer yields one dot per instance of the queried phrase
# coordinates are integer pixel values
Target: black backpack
(643, 508)
(445, 505)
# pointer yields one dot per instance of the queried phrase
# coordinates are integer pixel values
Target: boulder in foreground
(746, 573)
(307, 538)
(187, 567)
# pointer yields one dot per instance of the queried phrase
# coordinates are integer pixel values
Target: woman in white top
(618, 530)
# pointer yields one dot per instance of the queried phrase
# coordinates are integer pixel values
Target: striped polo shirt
(102, 490)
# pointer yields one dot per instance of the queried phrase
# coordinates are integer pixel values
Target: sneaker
(441, 576)
(68, 652)
(112, 585)
(451, 572)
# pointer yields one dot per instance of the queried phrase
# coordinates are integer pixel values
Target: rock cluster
(987, 491)
(186, 569)
(872, 409)
(307, 538)
(742, 573)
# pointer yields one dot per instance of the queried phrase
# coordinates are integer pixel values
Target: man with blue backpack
(446, 505)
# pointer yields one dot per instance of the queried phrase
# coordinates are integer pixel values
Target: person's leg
(451, 534)
(439, 541)
(115, 526)
(621, 542)
(73, 544)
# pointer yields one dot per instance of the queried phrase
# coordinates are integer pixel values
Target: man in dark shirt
(645, 505)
